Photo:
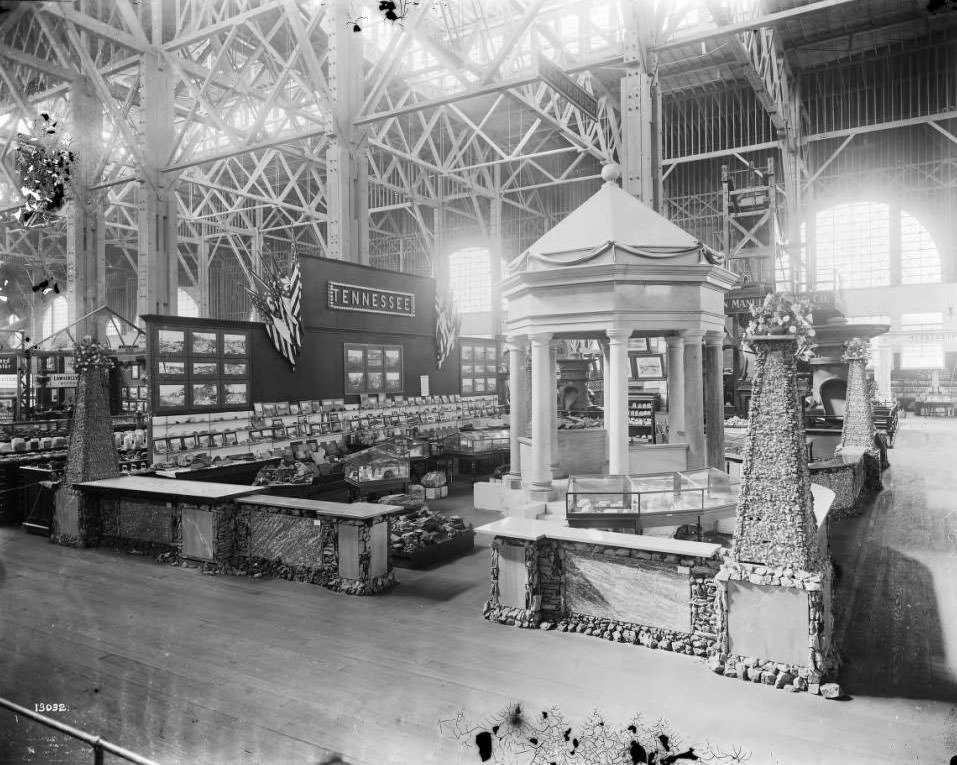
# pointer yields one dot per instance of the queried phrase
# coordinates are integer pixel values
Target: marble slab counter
(315, 508)
(193, 491)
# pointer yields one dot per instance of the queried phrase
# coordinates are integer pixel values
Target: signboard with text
(566, 87)
(352, 297)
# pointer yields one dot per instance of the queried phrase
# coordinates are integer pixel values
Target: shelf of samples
(641, 417)
(272, 428)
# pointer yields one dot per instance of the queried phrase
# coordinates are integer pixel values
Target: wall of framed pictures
(200, 367)
(479, 366)
(372, 368)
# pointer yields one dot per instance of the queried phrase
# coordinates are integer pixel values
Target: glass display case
(471, 442)
(621, 501)
(408, 447)
(375, 469)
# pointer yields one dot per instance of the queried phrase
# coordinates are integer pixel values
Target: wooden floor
(187, 668)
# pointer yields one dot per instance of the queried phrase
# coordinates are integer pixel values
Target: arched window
(55, 317)
(186, 305)
(920, 260)
(854, 244)
(470, 275)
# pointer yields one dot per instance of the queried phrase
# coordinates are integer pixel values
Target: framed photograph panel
(171, 396)
(651, 367)
(171, 342)
(235, 394)
(205, 394)
(204, 343)
(235, 344)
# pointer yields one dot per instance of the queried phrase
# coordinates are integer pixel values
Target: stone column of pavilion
(539, 482)
(616, 401)
(676, 388)
(774, 586)
(694, 398)
(518, 403)
(555, 466)
(714, 397)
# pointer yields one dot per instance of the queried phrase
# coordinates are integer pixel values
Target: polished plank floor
(187, 668)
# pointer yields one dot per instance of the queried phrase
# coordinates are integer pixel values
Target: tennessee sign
(351, 297)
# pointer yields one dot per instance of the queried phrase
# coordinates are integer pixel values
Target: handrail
(98, 744)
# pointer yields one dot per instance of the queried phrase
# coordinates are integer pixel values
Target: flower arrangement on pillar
(781, 314)
(91, 453)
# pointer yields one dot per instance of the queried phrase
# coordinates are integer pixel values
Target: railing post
(97, 752)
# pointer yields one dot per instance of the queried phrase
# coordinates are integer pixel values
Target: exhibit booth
(612, 270)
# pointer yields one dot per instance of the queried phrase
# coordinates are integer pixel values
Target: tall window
(853, 246)
(55, 317)
(185, 305)
(470, 274)
(920, 261)
(923, 352)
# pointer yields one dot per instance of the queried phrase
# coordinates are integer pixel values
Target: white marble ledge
(528, 529)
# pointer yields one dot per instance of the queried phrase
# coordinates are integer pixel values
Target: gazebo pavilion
(613, 269)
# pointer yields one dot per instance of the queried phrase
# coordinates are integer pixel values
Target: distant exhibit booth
(611, 270)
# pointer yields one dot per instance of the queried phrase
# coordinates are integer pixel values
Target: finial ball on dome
(610, 173)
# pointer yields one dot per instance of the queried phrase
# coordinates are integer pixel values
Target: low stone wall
(138, 523)
(550, 567)
(850, 484)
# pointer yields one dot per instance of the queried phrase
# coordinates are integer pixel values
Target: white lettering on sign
(351, 297)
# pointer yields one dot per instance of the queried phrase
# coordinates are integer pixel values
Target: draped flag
(279, 302)
(447, 325)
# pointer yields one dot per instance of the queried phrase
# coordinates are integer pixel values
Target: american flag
(279, 301)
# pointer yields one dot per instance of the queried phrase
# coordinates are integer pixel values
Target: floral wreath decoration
(857, 348)
(89, 354)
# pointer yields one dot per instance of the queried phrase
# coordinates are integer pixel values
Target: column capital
(617, 334)
(675, 341)
(518, 342)
(693, 335)
(714, 338)
(540, 338)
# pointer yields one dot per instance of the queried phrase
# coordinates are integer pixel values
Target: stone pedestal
(774, 588)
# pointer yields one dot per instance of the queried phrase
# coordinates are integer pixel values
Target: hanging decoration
(44, 164)
(447, 326)
(279, 302)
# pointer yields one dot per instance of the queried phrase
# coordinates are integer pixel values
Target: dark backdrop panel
(320, 372)
(318, 272)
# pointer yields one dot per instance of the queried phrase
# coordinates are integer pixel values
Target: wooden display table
(363, 489)
(194, 517)
(230, 471)
(341, 546)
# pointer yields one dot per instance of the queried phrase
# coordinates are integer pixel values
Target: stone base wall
(546, 565)
(76, 519)
(792, 677)
(138, 523)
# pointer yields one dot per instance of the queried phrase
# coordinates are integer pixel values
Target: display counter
(228, 471)
(341, 546)
(195, 518)
(624, 587)
(645, 501)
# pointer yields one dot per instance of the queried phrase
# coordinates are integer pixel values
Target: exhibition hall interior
(463, 381)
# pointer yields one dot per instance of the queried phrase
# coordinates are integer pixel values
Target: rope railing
(98, 744)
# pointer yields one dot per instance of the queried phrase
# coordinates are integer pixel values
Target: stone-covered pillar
(517, 401)
(775, 519)
(694, 398)
(714, 397)
(555, 466)
(779, 562)
(857, 435)
(616, 401)
(538, 480)
(676, 387)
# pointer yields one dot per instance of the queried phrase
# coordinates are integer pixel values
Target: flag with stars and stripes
(279, 301)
